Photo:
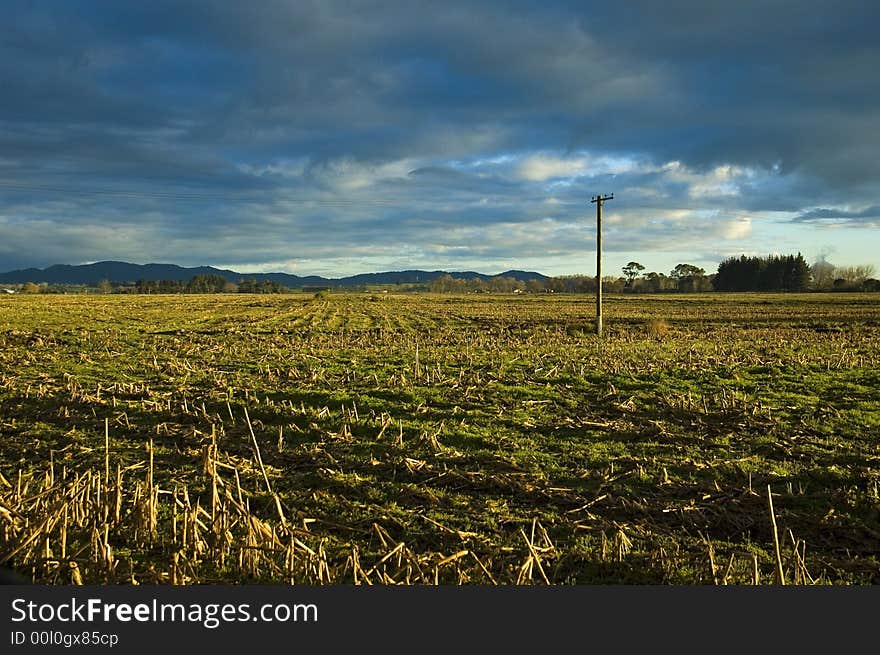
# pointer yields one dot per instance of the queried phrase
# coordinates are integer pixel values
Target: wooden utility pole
(599, 200)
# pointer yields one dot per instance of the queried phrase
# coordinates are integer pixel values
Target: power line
(276, 196)
(165, 195)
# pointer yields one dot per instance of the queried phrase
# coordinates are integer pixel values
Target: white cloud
(348, 174)
(283, 168)
(739, 228)
(540, 167)
(722, 181)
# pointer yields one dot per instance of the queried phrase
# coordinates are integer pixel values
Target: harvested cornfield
(440, 439)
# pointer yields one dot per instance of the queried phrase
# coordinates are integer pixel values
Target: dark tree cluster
(771, 273)
(250, 285)
(208, 284)
(159, 286)
(498, 284)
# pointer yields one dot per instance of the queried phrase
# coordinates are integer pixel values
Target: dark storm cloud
(869, 214)
(243, 132)
(782, 83)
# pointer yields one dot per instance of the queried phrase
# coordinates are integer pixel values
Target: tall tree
(689, 277)
(686, 270)
(632, 271)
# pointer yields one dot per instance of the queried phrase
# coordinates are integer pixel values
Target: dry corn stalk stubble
(281, 424)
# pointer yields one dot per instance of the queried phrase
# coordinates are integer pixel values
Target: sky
(335, 138)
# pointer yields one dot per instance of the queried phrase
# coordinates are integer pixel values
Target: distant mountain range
(123, 272)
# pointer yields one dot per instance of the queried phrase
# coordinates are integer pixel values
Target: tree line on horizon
(207, 283)
(743, 273)
(202, 283)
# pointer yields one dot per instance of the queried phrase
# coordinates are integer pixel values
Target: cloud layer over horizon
(339, 138)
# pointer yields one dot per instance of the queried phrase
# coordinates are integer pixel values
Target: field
(433, 439)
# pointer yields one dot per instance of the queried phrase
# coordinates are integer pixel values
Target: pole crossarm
(601, 198)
